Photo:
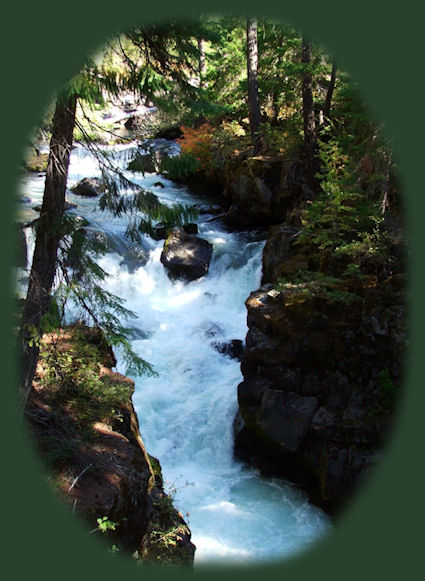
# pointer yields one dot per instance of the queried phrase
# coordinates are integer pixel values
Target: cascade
(186, 413)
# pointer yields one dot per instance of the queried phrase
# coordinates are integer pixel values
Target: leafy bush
(198, 142)
(180, 167)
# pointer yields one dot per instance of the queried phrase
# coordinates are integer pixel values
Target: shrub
(198, 142)
(70, 375)
(181, 167)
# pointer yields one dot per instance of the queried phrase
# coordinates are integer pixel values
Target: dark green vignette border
(42, 45)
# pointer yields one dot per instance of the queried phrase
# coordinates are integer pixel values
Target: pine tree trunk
(308, 111)
(48, 232)
(329, 93)
(253, 100)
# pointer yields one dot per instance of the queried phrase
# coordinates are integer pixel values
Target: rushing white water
(186, 413)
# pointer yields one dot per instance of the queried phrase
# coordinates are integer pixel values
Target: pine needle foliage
(122, 196)
(79, 282)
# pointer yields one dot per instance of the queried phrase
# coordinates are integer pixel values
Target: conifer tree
(88, 85)
(253, 98)
(48, 234)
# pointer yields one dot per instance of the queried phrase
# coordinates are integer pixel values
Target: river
(186, 413)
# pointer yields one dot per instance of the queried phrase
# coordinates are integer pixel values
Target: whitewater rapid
(186, 413)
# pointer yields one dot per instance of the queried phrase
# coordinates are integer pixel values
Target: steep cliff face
(95, 456)
(260, 191)
(322, 367)
(254, 191)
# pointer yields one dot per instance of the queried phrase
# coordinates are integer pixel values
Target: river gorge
(187, 412)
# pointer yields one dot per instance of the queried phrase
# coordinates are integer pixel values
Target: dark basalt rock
(186, 256)
(88, 187)
(320, 382)
(233, 348)
(190, 228)
(209, 208)
(160, 231)
(286, 417)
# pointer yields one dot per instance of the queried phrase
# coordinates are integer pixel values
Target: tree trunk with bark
(253, 99)
(48, 233)
(329, 93)
(310, 142)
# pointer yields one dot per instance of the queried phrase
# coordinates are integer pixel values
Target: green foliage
(388, 394)
(388, 390)
(70, 377)
(113, 550)
(352, 270)
(170, 216)
(180, 167)
(226, 65)
(284, 139)
(279, 48)
(81, 283)
(142, 206)
(340, 218)
(104, 524)
(168, 530)
(309, 284)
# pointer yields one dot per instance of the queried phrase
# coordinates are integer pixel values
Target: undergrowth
(76, 393)
(309, 284)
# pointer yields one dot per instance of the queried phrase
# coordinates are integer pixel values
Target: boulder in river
(190, 228)
(186, 256)
(160, 231)
(232, 349)
(143, 163)
(88, 187)
(208, 208)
